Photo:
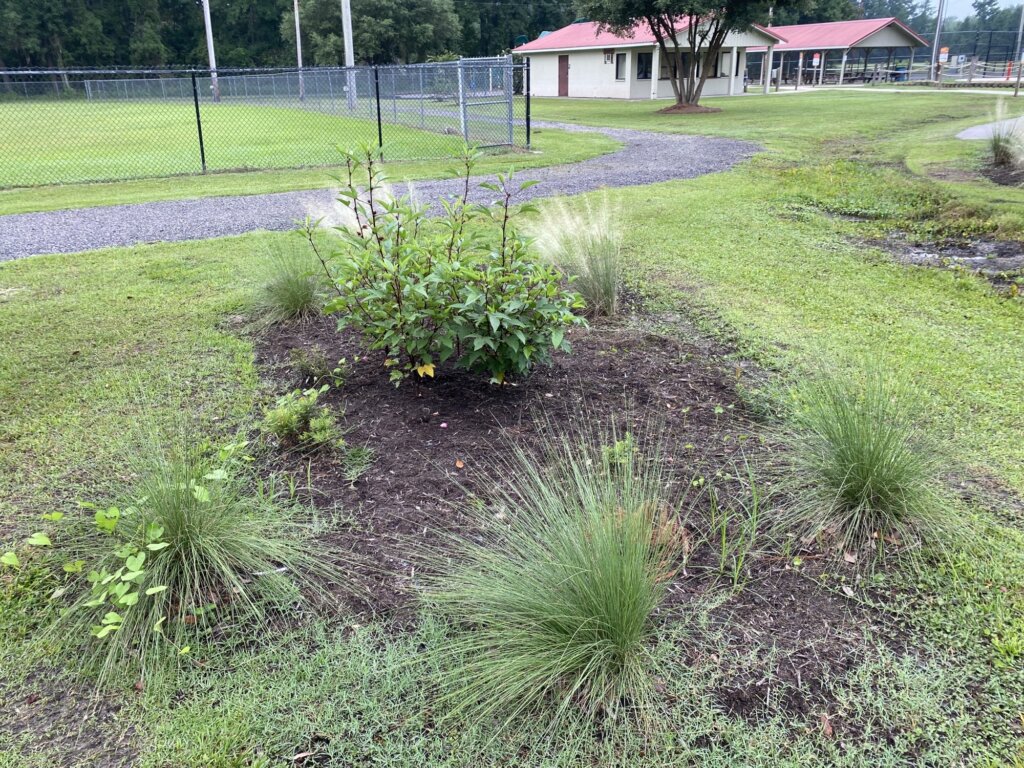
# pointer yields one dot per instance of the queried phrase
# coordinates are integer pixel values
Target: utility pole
(938, 34)
(214, 86)
(1019, 52)
(298, 51)
(350, 54)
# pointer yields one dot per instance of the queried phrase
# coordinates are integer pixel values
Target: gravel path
(645, 158)
(985, 131)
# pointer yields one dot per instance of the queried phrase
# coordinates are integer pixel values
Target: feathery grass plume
(550, 599)
(294, 287)
(1006, 139)
(587, 244)
(205, 547)
(862, 470)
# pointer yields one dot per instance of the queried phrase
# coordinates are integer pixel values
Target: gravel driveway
(645, 158)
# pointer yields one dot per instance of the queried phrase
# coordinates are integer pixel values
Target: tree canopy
(96, 33)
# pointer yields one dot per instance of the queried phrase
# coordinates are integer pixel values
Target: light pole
(350, 56)
(298, 51)
(935, 43)
(214, 86)
(1018, 52)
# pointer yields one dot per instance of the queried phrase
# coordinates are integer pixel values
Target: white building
(582, 61)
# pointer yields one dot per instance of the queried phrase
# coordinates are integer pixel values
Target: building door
(563, 75)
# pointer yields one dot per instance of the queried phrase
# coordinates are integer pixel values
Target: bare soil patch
(1007, 175)
(687, 109)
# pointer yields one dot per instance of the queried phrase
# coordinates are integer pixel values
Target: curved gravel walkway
(986, 130)
(645, 158)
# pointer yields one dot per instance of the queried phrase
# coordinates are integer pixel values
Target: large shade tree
(679, 26)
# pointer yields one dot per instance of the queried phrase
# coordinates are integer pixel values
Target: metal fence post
(380, 125)
(510, 95)
(463, 115)
(526, 90)
(199, 122)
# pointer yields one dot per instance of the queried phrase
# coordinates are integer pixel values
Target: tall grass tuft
(586, 244)
(232, 553)
(863, 471)
(550, 599)
(1006, 140)
(294, 286)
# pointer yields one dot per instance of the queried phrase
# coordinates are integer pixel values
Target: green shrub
(298, 419)
(426, 290)
(586, 244)
(863, 472)
(194, 555)
(294, 286)
(550, 599)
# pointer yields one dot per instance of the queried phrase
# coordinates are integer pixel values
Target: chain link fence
(62, 127)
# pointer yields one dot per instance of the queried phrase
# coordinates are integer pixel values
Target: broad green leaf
(155, 590)
(75, 566)
(201, 494)
(130, 599)
(52, 516)
(39, 539)
(10, 559)
(158, 546)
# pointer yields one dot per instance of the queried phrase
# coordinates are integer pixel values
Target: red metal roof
(587, 34)
(835, 34)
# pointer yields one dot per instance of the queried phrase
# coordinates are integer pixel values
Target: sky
(962, 8)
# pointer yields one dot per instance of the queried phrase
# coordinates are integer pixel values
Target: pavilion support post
(766, 68)
(782, 63)
(864, 69)
(910, 66)
(842, 66)
(733, 65)
(888, 65)
(799, 70)
(655, 71)
(821, 67)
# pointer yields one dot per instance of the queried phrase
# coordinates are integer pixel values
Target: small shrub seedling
(298, 419)
(425, 290)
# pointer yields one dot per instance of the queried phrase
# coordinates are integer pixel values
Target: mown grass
(757, 255)
(548, 147)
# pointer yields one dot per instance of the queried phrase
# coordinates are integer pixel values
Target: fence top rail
(485, 61)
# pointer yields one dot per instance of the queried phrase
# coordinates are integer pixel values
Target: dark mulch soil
(1007, 175)
(687, 109)
(423, 432)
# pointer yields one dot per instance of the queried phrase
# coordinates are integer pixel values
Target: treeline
(153, 33)
(157, 33)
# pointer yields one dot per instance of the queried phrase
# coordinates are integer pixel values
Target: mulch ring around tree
(687, 109)
(437, 440)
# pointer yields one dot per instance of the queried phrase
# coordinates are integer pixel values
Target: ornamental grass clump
(294, 286)
(462, 286)
(585, 243)
(202, 549)
(1006, 138)
(863, 473)
(550, 599)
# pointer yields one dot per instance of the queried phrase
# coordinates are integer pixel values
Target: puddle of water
(1000, 261)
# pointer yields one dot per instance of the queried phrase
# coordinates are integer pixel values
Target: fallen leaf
(459, 463)
(444, 425)
(848, 591)
(826, 726)
(849, 557)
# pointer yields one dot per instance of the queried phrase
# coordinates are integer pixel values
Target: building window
(608, 57)
(620, 66)
(644, 65)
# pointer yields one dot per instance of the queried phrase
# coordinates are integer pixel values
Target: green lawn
(775, 256)
(548, 147)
